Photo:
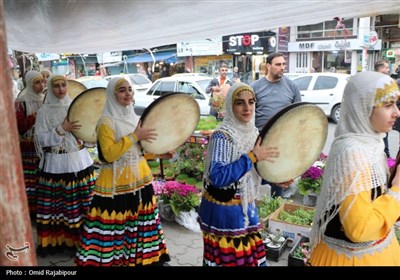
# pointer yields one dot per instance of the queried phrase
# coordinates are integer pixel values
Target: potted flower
(169, 175)
(300, 252)
(179, 197)
(190, 159)
(310, 182)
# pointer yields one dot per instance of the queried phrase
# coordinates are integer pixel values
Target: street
(393, 140)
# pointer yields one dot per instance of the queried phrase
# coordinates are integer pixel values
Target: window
(189, 89)
(325, 83)
(303, 82)
(139, 80)
(324, 29)
(167, 87)
(161, 88)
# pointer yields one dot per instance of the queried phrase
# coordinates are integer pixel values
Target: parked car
(139, 82)
(191, 85)
(191, 75)
(324, 90)
(93, 81)
(292, 76)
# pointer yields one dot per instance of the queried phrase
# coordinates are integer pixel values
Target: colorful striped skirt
(62, 202)
(30, 163)
(247, 250)
(123, 231)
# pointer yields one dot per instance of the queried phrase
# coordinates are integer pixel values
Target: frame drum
(75, 88)
(87, 108)
(175, 117)
(299, 131)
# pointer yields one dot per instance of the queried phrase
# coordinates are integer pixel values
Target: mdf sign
(248, 43)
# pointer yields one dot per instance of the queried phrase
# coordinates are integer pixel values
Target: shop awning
(168, 57)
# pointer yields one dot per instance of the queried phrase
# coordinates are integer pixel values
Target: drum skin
(75, 88)
(87, 108)
(299, 131)
(175, 117)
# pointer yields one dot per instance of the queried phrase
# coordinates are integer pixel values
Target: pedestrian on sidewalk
(228, 215)
(122, 226)
(357, 208)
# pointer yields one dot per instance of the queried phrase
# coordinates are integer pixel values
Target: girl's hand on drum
(146, 134)
(285, 185)
(70, 126)
(265, 153)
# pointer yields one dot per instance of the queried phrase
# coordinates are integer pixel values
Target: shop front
(249, 50)
(339, 56)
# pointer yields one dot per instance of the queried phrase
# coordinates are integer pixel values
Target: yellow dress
(127, 182)
(365, 222)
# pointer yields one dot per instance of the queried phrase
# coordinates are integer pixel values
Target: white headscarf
(357, 153)
(32, 99)
(55, 112)
(123, 120)
(244, 136)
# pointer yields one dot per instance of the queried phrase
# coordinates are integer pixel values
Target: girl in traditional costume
(357, 209)
(26, 106)
(67, 176)
(228, 215)
(123, 226)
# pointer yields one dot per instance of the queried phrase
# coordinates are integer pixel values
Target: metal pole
(154, 59)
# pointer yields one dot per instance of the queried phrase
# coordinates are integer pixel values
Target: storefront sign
(47, 56)
(249, 43)
(200, 47)
(331, 45)
(109, 57)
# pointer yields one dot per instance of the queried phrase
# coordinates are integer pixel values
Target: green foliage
(153, 163)
(302, 250)
(397, 231)
(191, 181)
(181, 203)
(307, 186)
(300, 216)
(182, 177)
(268, 205)
(169, 173)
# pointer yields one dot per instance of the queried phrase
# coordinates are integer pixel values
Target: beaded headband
(57, 78)
(37, 78)
(240, 90)
(385, 92)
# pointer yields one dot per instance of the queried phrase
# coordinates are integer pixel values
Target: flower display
(311, 180)
(181, 197)
(191, 159)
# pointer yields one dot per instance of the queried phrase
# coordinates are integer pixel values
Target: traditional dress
(228, 215)
(26, 107)
(66, 179)
(356, 211)
(123, 225)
